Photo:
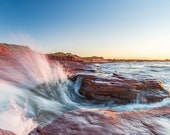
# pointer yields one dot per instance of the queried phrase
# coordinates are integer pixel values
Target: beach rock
(6, 132)
(36, 131)
(95, 59)
(9, 49)
(4, 50)
(122, 90)
(73, 67)
(60, 56)
(108, 122)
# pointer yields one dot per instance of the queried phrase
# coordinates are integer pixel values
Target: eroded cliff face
(60, 56)
(108, 122)
(9, 49)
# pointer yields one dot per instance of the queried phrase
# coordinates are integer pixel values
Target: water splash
(26, 68)
(14, 119)
(27, 77)
(137, 106)
(40, 91)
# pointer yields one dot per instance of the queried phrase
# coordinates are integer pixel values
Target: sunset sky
(109, 28)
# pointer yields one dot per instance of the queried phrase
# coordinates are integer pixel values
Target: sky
(110, 28)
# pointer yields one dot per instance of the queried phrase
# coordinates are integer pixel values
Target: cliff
(7, 49)
(60, 56)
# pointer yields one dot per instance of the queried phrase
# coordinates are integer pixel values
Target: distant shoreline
(61, 56)
(94, 59)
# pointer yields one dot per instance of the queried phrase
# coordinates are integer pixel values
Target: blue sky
(109, 28)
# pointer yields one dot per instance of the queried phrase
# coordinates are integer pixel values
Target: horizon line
(111, 58)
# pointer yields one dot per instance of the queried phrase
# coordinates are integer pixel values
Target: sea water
(35, 91)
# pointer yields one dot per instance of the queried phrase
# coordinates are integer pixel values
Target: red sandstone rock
(122, 90)
(60, 56)
(4, 50)
(8, 49)
(6, 132)
(108, 122)
(73, 67)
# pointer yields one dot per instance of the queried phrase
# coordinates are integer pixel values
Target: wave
(29, 69)
(136, 106)
(15, 120)
(34, 91)
(39, 91)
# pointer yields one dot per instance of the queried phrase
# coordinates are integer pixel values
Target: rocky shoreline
(8, 49)
(122, 91)
(106, 122)
(103, 121)
(118, 89)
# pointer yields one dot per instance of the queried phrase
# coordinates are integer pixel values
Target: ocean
(35, 92)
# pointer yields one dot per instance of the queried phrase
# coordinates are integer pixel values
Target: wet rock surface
(108, 122)
(6, 132)
(122, 90)
(118, 89)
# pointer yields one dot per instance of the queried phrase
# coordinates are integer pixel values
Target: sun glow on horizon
(125, 29)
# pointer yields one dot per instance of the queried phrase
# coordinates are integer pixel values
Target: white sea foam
(14, 119)
(29, 83)
(43, 92)
(134, 106)
(29, 69)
